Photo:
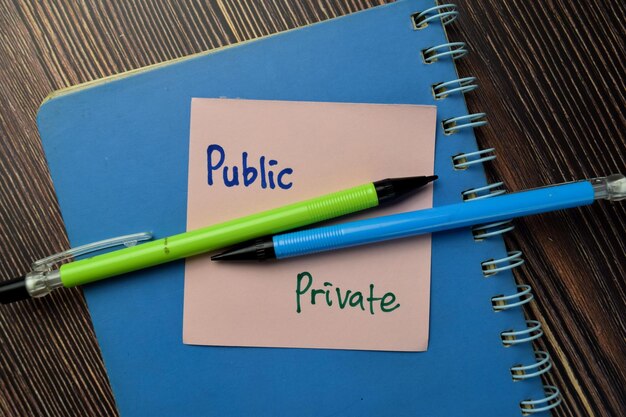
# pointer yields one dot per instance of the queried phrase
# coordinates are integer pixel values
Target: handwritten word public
(264, 171)
(354, 299)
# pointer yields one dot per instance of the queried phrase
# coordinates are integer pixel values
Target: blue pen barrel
(437, 219)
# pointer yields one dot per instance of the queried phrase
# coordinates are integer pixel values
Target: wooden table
(551, 78)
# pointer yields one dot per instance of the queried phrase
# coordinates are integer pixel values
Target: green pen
(44, 277)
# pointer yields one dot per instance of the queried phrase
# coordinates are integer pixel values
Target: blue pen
(481, 211)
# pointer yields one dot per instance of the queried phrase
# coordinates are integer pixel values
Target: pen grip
(309, 241)
(342, 203)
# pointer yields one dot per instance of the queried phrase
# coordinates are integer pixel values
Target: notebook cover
(117, 152)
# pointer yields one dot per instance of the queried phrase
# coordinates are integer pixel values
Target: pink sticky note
(328, 147)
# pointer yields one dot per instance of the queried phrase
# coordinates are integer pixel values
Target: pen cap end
(612, 188)
(13, 290)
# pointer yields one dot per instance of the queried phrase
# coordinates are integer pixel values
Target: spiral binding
(552, 399)
(523, 296)
(532, 332)
(493, 266)
(454, 50)
(458, 86)
(485, 231)
(491, 190)
(465, 160)
(543, 365)
(452, 126)
(445, 14)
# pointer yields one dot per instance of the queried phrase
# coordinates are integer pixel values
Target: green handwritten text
(355, 299)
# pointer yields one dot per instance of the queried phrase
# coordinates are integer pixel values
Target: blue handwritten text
(261, 172)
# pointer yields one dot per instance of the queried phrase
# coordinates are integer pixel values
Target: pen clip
(46, 264)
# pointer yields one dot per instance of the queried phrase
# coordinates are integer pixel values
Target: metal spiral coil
(465, 160)
(523, 296)
(493, 266)
(446, 12)
(479, 193)
(453, 50)
(485, 231)
(469, 121)
(457, 86)
(540, 367)
(533, 331)
(551, 400)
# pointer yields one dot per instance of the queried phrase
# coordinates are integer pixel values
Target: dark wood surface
(551, 79)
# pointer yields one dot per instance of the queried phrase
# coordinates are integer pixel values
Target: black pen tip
(392, 190)
(13, 290)
(257, 250)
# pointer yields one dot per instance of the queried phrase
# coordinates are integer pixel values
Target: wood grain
(551, 78)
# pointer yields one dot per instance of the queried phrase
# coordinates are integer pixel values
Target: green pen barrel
(219, 236)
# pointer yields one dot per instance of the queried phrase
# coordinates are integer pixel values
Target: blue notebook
(118, 150)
